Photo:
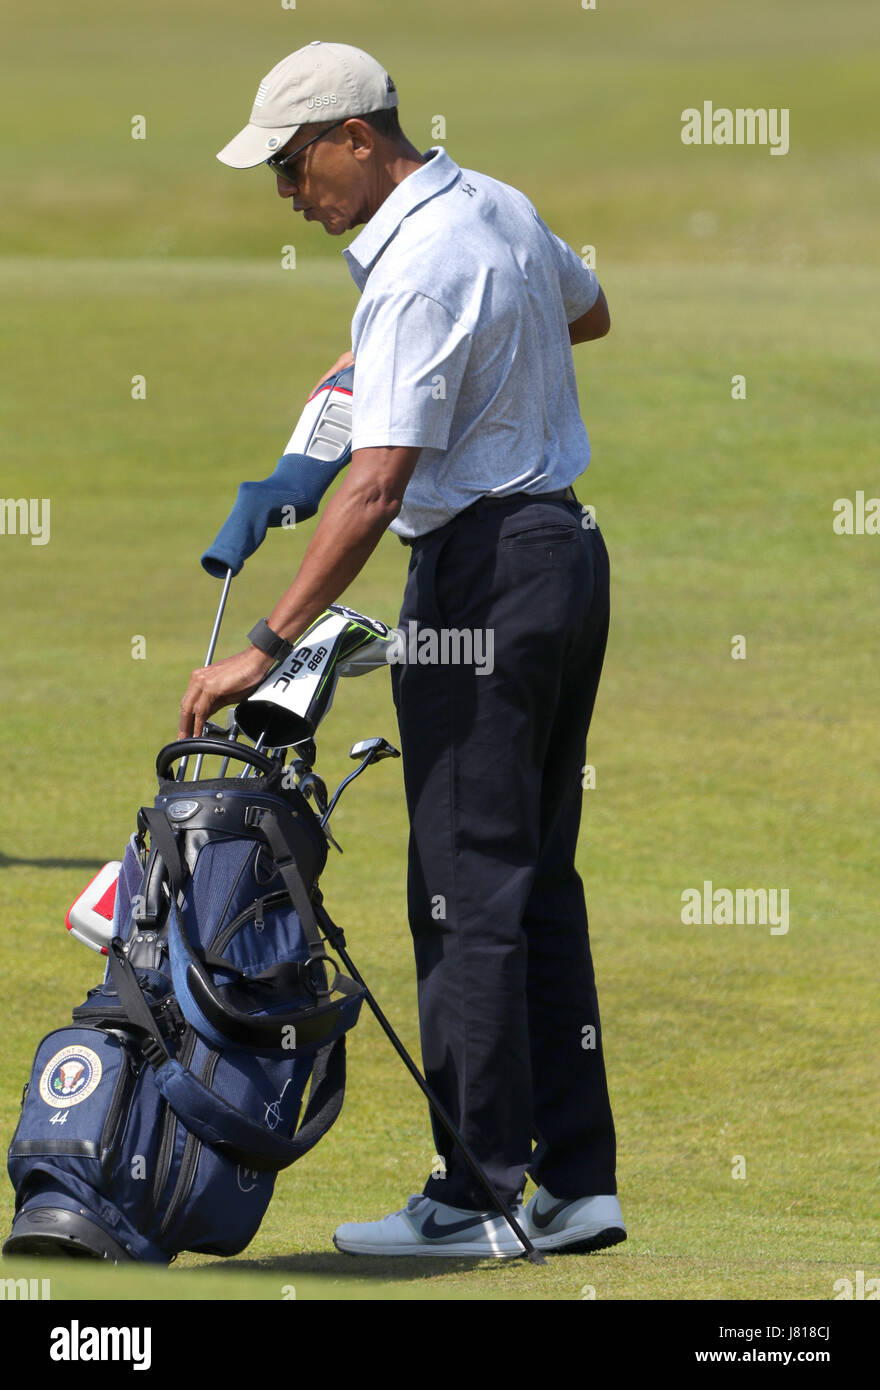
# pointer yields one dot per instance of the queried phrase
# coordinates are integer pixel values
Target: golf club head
(212, 730)
(293, 699)
(311, 785)
(306, 751)
(383, 749)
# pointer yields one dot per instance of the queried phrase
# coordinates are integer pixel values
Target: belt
(565, 494)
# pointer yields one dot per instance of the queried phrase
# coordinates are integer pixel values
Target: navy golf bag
(158, 1122)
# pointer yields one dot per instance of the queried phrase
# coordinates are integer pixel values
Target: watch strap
(265, 640)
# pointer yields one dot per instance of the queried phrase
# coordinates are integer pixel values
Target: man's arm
(351, 527)
(595, 323)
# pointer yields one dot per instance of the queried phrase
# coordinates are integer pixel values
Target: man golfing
(466, 439)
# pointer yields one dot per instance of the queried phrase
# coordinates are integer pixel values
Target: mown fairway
(122, 257)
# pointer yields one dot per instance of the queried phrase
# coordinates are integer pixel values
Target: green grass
(721, 1041)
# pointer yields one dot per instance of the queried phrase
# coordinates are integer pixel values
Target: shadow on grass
(8, 861)
(350, 1267)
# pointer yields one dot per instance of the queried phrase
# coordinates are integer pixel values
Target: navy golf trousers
(494, 750)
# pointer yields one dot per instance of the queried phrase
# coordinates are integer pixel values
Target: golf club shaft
(472, 1161)
(233, 736)
(219, 618)
(209, 657)
(343, 784)
(257, 746)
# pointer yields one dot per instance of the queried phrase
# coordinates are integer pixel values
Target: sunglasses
(284, 166)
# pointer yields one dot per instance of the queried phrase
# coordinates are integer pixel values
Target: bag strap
(208, 1115)
(133, 1004)
(162, 838)
(284, 854)
(235, 1135)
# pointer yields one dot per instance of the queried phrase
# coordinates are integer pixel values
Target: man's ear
(362, 137)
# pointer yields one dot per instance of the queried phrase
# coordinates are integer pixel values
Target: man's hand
(225, 683)
(346, 360)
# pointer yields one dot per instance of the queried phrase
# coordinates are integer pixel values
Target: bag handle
(220, 747)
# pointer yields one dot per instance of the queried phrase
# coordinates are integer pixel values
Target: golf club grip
(222, 747)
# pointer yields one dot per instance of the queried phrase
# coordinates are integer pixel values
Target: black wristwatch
(265, 640)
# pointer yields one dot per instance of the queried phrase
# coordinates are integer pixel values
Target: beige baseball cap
(321, 82)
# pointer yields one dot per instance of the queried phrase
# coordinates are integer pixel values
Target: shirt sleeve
(578, 284)
(410, 359)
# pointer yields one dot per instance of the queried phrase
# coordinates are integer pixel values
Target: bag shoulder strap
(235, 1135)
(133, 1004)
(208, 1115)
(163, 839)
(284, 854)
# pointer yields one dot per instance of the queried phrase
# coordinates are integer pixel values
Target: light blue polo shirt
(461, 342)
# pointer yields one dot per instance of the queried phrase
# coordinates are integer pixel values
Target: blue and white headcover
(318, 449)
(323, 431)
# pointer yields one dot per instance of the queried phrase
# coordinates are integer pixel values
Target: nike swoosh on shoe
(542, 1219)
(432, 1231)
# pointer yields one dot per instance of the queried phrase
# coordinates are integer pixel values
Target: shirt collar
(417, 188)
